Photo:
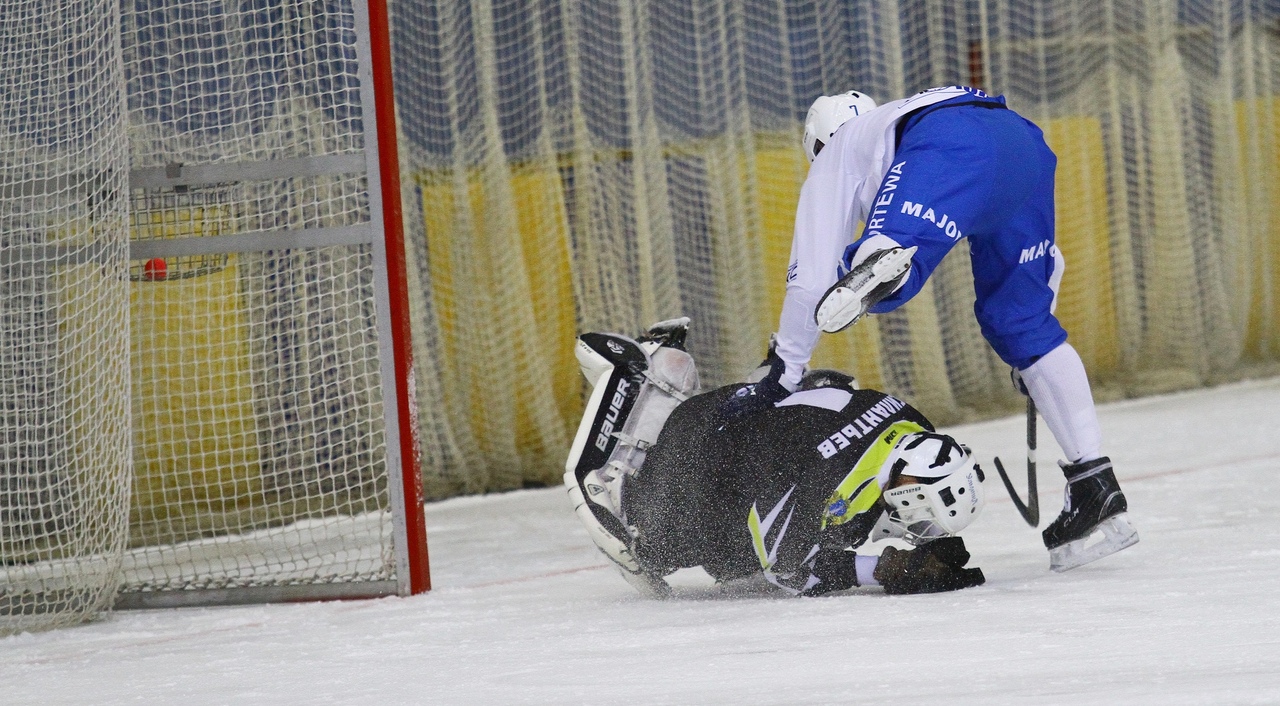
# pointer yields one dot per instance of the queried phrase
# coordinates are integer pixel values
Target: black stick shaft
(1031, 436)
(1030, 510)
(1033, 497)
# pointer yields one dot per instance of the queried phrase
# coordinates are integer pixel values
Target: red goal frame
(419, 575)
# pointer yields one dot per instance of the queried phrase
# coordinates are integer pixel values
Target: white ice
(524, 610)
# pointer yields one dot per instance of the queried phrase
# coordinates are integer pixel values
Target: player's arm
(824, 570)
(825, 218)
(783, 534)
(933, 567)
(839, 569)
(825, 221)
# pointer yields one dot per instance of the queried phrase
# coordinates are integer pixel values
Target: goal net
(64, 346)
(201, 396)
(578, 165)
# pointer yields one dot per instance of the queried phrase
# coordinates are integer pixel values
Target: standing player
(922, 173)
(664, 480)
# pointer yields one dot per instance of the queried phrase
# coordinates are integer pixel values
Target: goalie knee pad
(636, 386)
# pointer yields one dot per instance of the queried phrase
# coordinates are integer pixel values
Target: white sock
(1060, 387)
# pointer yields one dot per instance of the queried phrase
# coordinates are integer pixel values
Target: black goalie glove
(758, 396)
(930, 568)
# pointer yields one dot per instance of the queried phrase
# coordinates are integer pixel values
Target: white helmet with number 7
(938, 487)
(827, 114)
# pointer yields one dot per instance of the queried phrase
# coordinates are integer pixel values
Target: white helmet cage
(827, 114)
(949, 495)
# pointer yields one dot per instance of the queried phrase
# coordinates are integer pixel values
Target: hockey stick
(1029, 510)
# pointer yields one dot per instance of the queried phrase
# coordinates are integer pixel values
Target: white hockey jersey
(836, 197)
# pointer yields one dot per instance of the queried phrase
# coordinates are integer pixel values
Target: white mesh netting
(192, 398)
(257, 406)
(568, 165)
(64, 381)
(586, 165)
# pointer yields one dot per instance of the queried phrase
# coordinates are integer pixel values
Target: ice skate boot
(1094, 506)
(670, 333)
(862, 287)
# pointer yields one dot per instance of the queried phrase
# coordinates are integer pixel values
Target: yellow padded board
(459, 258)
(1086, 299)
(195, 440)
(1256, 123)
(458, 263)
(544, 231)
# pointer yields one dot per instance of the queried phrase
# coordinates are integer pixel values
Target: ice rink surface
(525, 610)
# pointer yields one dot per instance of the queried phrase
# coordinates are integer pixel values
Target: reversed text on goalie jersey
(860, 427)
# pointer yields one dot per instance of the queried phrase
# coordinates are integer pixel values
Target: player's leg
(1016, 272)
(1094, 520)
(935, 193)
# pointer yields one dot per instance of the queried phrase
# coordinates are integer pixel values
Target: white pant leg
(1060, 387)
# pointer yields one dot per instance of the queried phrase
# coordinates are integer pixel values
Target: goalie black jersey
(786, 491)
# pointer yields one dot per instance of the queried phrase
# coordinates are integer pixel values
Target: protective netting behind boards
(578, 165)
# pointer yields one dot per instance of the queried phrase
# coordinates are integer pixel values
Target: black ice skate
(670, 333)
(1094, 505)
(866, 284)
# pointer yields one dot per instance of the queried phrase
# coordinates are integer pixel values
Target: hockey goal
(206, 393)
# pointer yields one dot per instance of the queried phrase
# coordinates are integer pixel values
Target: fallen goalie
(664, 479)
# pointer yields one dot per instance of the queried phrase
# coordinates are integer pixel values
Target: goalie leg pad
(607, 540)
(634, 393)
(636, 387)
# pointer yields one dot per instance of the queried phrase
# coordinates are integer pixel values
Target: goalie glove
(930, 568)
(865, 284)
(762, 394)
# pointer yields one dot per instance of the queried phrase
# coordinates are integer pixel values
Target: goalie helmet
(827, 114)
(944, 493)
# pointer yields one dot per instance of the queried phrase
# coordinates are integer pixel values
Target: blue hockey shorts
(972, 169)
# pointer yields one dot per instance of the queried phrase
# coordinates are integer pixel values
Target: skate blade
(841, 307)
(1117, 534)
(647, 584)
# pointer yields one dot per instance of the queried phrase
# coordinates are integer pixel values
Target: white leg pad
(635, 389)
